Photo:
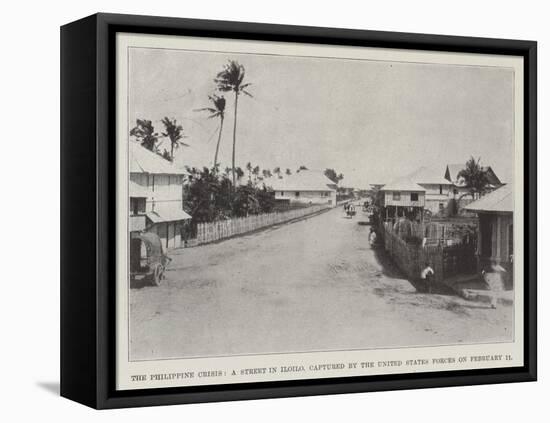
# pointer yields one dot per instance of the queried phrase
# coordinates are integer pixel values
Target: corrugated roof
(402, 184)
(428, 175)
(145, 161)
(500, 200)
(305, 180)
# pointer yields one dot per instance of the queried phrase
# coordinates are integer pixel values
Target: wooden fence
(444, 233)
(447, 261)
(214, 231)
(412, 258)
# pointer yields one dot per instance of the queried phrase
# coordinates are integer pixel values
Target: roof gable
(427, 175)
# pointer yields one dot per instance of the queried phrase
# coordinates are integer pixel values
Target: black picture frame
(88, 209)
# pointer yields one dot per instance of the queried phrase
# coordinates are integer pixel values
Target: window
(297, 193)
(137, 205)
(440, 189)
(282, 193)
(441, 206)
(396, 196)
(414, 196)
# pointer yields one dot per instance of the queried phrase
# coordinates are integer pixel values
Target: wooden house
(403, 198)
(308, 187)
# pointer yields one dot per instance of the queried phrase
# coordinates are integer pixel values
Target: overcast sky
(371, 121)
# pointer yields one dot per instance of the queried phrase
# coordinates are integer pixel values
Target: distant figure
(372, 237)
(427, 276)
(495, 279)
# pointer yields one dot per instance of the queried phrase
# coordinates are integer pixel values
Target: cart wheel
(157, 275)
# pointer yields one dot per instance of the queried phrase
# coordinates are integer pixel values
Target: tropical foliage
(209, 196)
(474, 176)
(333, 176)
(145, 134)
(174, 133)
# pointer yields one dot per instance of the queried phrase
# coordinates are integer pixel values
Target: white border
(173, 371)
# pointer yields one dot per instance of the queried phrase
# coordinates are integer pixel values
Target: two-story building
(308, 187)
(403, 198)
(155, 191)
(438, 190)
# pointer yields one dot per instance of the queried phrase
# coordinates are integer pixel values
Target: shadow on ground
(51, 387)
(390, 270)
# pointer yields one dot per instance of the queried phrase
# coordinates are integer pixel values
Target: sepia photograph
(288, 204)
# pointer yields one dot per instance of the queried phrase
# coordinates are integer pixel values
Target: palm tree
(217, 111)
(231, 78)
(266, 173)
(145, 134)
(256, 172)
(175, 133)
(238, 172)
(474, 176)
(302, 167)
(288, 172)
(277, 171)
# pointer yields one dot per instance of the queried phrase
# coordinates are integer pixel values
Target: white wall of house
(164, 191)
(437, 196)
(438, 191)
(307, 197)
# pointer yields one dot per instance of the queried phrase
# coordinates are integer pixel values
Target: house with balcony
(403, 198)
(155, 191)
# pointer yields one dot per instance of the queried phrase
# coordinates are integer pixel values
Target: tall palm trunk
(218, 145)
(234, 137)
(172, 149)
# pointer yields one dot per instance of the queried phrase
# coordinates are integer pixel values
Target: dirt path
(306, 286)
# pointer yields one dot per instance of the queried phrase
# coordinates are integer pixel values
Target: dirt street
(311, 285)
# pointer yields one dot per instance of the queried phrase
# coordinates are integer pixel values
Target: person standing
(495, 279)
(427, 275)
(372, 237)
